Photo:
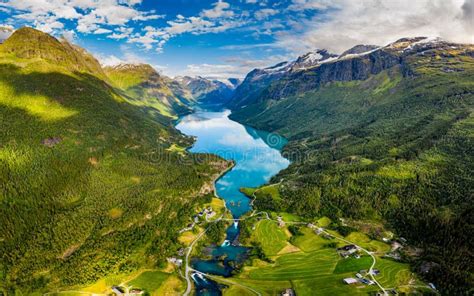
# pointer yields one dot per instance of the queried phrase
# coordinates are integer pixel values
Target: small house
(288, 292)
(347, 250)
(349, 281)
(135, 292)
(375, 272)
(118, 290)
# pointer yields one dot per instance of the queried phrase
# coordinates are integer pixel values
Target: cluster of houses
(349, 250)
(360, 277)
(176, 261)
(319, 231)
(206, 212)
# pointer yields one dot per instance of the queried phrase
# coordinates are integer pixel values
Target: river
(257, 158)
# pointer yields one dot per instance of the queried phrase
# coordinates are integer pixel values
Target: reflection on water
(257, 158)
(256, 154)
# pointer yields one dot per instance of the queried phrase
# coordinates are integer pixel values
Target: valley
(331, 174)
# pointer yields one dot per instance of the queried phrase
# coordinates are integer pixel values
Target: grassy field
(149, 281)
(314, 267)
(271, 237)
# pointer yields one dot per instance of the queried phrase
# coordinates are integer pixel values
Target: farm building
(288, 292)
(347, 250)
(349, 281)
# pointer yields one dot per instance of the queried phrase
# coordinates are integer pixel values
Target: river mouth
(257, 157)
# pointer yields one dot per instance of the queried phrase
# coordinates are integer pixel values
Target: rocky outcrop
(359, 49)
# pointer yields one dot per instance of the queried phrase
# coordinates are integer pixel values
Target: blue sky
(228, 38)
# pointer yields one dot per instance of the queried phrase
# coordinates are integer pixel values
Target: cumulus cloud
(265, 13)
(232, 67)
(89, 15)
(215, 20)
(221, 9)
(346, 23)
(127, 57)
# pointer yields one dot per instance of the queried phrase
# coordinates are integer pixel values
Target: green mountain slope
(386, 136)
(143, 86)
(29, 43)
(89, 186)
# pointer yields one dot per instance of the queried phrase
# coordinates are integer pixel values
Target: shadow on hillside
(91, 99)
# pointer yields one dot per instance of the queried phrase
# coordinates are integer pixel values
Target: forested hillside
(143, 86)
(389, 136)
(90, 185)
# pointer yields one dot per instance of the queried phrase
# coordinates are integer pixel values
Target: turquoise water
(257, 158)
(256, 154)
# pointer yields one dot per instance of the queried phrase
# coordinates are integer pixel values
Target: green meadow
(312, 266)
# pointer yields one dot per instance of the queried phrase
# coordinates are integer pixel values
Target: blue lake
(257, 158)
(256, 154)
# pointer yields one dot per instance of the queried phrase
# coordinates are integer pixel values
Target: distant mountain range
(209, 93)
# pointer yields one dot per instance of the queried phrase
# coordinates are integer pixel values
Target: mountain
(254, 82)
(259, 79)
(380, 134)
(207, 92)
(359, 49)
(28, 43)
(144, 86)
(91, 185)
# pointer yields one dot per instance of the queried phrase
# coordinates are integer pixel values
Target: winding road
(188, 269)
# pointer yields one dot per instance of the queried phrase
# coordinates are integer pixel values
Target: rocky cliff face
(258, 80)
(357, 63)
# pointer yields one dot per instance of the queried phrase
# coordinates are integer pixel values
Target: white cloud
(5, 31)
(215, 20)
(110, 60)
(121, 33)
(233, 67)
(49, 27)
(221, 9)
(128, 57)
(90, 15)
(299, 5)
(69, 35)
(102, 31)
(347, 23)
(212, 71)
(265, 13)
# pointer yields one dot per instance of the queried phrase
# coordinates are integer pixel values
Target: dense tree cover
(216, 232)
(396, 147)
(88, 184)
